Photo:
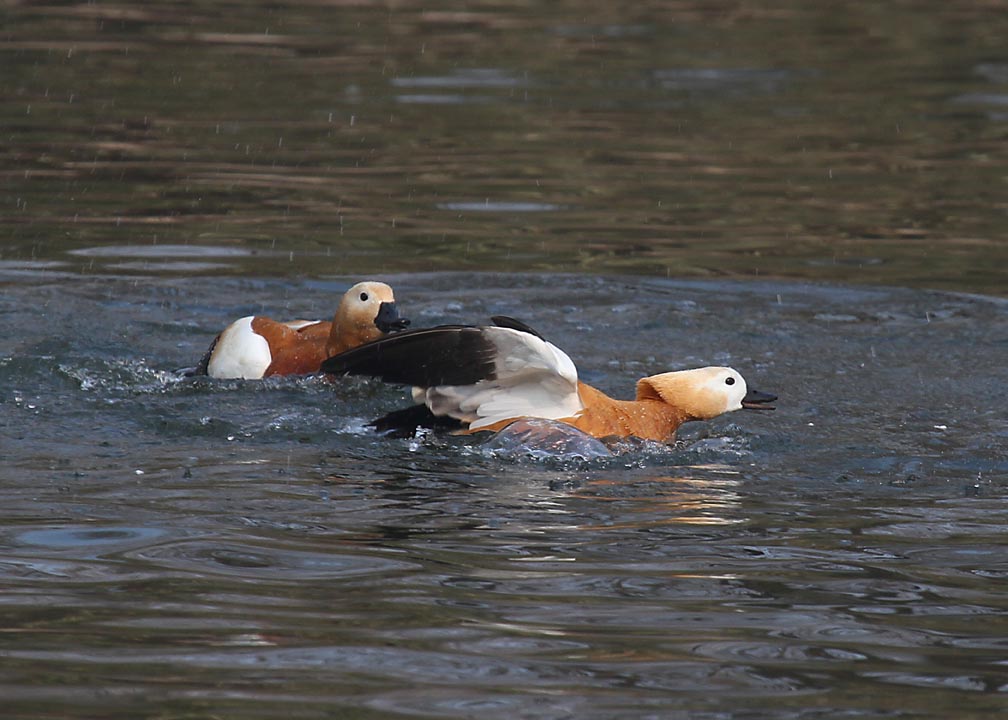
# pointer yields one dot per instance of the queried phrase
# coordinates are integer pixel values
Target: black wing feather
(202, 367)
(404, 423)
(444, 355)
(509, 322)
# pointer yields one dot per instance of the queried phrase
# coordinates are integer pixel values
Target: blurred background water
(811, 192)
(851, 141)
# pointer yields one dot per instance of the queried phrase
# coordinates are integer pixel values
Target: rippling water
(190, 548)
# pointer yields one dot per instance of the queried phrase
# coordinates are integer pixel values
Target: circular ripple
(77, 536)
(204, 557)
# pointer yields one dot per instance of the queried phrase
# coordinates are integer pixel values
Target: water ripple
(236, 529)
(210, 557)
(160, 251)
(504, 206)
(81, 539)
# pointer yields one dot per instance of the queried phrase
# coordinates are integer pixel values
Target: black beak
(756, 400)
(388, 320)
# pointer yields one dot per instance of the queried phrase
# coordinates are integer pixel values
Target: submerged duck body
(486, 377)
(255, 347)
(541, 438)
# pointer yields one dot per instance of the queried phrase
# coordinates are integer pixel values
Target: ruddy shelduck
(489, 376)
(257, 347)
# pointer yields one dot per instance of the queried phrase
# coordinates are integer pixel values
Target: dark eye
(363, 297)
(729, 381)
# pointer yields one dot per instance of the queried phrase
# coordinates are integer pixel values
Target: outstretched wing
(444, 355)
(479, 375)
(531, 378)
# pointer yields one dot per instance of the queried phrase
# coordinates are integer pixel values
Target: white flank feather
(240, 352)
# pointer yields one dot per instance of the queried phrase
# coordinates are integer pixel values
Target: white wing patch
(534, 379)
(240, 352)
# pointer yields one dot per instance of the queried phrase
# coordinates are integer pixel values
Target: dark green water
(856, 141)
(790, 188)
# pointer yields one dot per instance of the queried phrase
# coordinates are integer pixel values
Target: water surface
(186, 547)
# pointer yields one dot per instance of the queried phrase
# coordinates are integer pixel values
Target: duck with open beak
(486, 377)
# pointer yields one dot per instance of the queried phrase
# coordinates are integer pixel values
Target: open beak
(387, 320)
(756, 400)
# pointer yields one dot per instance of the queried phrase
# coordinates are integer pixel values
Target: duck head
(704, 393)
(366, 312)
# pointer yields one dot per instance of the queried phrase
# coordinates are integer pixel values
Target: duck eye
(363, 297)
(729, 381)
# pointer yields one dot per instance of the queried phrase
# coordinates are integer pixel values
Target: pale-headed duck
(257, 347)
(488, 376)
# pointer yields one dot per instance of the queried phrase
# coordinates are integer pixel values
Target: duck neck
(342, 336)
(648, 419)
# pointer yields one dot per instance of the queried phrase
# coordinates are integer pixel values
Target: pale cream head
(365, 313)
(361, 303)
(700, 394)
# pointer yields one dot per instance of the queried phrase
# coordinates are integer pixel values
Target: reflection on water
(856, 143)
(249, 549)
(487, 206)
(677, 500)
